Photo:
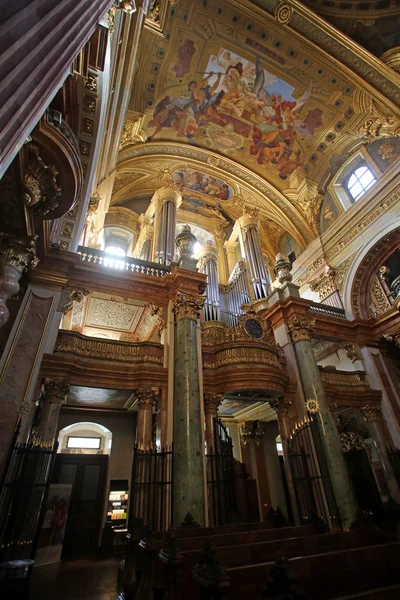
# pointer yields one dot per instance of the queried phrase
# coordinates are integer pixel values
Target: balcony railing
(124, 263)
(327, 311)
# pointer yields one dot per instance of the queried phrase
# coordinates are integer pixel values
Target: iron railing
(313, 487)
(122, 263)
(23, 490)
(151, 483)
(221, 489)
(327, 311)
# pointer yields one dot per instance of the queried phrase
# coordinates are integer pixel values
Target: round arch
(359, 277)
(88, 429)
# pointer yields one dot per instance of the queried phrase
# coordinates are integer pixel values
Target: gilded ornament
(370, 412)
(75, 296)
(300, 328)
(343, 379)
(106, 350)
(379, 127)
(18, 253)
(281, 406)
(91, 82)
(147, 398)
(351, 351)
(55, 390)
(284, 13)
(212, 402)
(40, 185)
(312, 406)
(213, 161)
(386, 150)
(188, 306)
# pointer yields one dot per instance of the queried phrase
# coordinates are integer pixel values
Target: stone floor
(70, 580)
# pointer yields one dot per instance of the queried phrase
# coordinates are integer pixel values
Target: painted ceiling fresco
(237, 107)
(201, 182)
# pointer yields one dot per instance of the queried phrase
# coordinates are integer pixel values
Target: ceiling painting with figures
(244, 104)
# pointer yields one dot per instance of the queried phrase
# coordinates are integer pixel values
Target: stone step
(326, 576)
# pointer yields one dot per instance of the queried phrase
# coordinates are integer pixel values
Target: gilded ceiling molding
(355, 60)
(286, 210)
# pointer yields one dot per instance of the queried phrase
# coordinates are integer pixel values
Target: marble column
(146, 403)
(53, 397)
(300, 329)
(208, 264)
(211, 404)
(380, 434)
(282, 409)
(189, 455)
(168, 200)
(251, 244)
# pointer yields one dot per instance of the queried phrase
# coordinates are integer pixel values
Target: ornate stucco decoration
(352, 352)
(55, 390)
(132, 132)
(108, 350)
(352, 441)
(379, 127)
(128, 6)
(212, 403)
(18, 253)
(300, 328)
(157, 15)
(41, 188)
(284, 12)
(188, 306)
(324, 284)
(245, 356)
(393, 338)
(343, 379)
(371, 412)
(251, 431)
(281, 406)
(147, 398)
(75, 296)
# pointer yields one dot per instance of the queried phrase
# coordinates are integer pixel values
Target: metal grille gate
(23, 489)
(313, 488)
(221, 488)
(151, 482)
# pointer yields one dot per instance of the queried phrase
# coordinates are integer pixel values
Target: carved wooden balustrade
(232, 359)
(122, 263)
(93, 361)
(348, 388)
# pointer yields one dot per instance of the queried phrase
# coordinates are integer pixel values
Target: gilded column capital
(212, 403)
(371, 413)
(75, 296)
(147, 398)
(55, 390)
(18, 253)
(188, 306)
(281, 406)
(300, 328)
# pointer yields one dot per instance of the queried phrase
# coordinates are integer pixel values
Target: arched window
(360, 181)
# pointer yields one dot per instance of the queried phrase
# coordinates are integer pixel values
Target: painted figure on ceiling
(240, 96)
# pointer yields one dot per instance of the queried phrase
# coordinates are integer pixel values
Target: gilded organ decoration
(40, 183)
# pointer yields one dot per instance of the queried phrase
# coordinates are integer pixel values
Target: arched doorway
(82, 462)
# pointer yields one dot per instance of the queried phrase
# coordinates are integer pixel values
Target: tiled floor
(77, 579)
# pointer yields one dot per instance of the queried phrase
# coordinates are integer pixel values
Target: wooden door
(87, 474)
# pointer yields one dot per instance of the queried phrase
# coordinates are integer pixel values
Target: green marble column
(300, 330)
(188, 465)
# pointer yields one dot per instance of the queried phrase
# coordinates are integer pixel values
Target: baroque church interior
(200, 299)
